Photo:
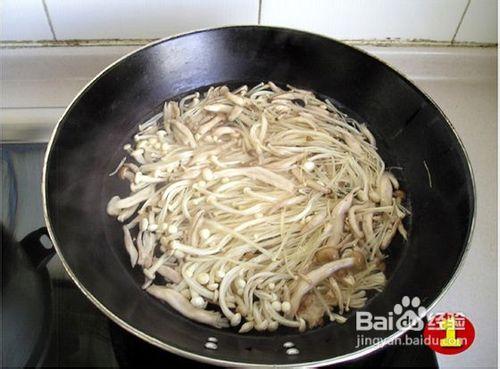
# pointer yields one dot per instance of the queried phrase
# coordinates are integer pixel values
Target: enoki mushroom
(257, 208)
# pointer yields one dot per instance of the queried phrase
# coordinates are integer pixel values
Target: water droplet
(288, 344)
(211, 346)
(292, 351)
(213, 339)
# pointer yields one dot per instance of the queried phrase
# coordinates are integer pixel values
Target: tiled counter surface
(36, 85)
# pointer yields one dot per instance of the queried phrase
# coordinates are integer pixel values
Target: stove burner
(131, 351)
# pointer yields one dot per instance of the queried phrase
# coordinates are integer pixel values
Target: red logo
(449, 333)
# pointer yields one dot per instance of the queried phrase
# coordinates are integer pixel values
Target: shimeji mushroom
(267, 202)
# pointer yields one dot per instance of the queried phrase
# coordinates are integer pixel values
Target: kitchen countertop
(38, 83)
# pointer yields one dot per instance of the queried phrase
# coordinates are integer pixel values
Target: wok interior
(411, 133)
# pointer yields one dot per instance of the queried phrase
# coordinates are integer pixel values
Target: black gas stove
(52, 323)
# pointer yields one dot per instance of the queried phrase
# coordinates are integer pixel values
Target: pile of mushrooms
(257, 208)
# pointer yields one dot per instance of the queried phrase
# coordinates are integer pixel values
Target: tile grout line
(461, 21)
(49, 20)
(259, 14)
(12, 44)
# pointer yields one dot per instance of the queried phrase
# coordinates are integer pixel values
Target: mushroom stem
(260, 174)
(313, 278)
(385, 190)
(116, 204)
(129, 246)
(178, 302)
(339, 214)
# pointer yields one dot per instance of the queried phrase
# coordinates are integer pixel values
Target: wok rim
(206, 359)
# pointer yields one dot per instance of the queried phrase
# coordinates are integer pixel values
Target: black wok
(412, 134)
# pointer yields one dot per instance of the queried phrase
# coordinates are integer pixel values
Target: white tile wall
(23, 20)
(344, 19)
(480, 22)
(368, 19)
(91, 19)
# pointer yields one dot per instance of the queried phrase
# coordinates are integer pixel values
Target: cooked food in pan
(258, 208)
